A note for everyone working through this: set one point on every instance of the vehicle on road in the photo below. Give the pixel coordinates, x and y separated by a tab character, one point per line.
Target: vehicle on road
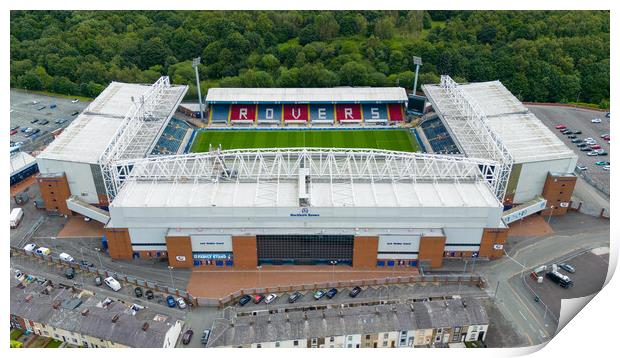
75	101
245	299
596	120
98	281
331	293
187	336
258	299
181	303
138	291
536	299
43	251
560	126
561	280
112	283
30	247
70	273
171	302
149	294
66	257
75	113
205	336
270	298
566	267
582	167
355	291
601	163
16	217
294	297
318	294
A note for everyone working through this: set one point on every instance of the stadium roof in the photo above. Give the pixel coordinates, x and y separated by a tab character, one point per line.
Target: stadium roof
307	95
20	160
524	136
90	134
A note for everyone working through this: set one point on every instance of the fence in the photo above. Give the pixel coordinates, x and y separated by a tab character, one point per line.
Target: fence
414	279
135	281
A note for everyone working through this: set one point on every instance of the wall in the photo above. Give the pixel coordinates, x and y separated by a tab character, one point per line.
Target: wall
432	249
79	177
365	251
54	192
492	243
179	251
558	191
534	174
119	243
244	252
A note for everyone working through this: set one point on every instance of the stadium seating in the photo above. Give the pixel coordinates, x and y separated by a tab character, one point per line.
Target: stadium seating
172	137
322	113
219	113
438	136
295	112
348	113
269	113
375	112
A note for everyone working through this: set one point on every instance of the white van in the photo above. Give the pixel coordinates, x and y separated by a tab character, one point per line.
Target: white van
30	247
112	283
43	251
66	257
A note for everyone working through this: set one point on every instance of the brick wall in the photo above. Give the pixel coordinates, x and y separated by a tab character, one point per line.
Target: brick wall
119	243
431	250
490	238
55	192
558	189
365	251
244	252
179	247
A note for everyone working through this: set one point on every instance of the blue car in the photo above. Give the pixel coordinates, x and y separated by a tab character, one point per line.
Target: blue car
170	301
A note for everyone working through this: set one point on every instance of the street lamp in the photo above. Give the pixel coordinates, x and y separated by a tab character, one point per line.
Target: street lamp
333	263
259	267
170	268
195	63
417	61
550	213
99	257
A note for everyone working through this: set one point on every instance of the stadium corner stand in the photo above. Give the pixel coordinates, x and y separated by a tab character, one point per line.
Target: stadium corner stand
286	106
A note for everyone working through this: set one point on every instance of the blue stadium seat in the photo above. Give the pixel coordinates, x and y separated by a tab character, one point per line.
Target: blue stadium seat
171	138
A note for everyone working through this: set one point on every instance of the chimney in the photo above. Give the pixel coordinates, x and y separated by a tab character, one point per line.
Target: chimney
115	318
56	304
28	298
145	326
85	312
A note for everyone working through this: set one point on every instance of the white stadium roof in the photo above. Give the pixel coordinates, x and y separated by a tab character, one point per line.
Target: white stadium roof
20	160
525	137
307	95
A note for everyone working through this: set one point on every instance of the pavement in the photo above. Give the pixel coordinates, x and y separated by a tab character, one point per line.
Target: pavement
77	227
532	226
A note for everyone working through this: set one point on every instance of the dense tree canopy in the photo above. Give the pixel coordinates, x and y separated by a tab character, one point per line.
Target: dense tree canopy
539	55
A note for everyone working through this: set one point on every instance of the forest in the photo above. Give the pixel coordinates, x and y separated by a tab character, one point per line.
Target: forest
542	56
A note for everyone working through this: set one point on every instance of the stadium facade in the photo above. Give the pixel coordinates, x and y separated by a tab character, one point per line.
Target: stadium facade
360	207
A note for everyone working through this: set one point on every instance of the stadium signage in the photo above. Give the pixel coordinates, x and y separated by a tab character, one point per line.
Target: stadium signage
212	256
180	258
304	212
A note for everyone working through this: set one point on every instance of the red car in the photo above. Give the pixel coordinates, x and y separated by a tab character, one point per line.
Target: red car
13	131
560	126
596	146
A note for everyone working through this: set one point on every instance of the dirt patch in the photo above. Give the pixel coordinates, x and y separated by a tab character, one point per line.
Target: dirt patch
532	226
19	187
77	227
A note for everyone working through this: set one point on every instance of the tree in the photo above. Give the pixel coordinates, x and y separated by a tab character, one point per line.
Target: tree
270	63
353	24
353	74
31	81
326	26
384	28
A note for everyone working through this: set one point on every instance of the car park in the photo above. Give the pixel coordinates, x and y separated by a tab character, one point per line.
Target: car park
294	297
566	267
355	291
596	120
331	293
205	336
270	298
245	299
258	299
171	302
582	167
187	336
112	283
149	294
318	294
138	292
98	281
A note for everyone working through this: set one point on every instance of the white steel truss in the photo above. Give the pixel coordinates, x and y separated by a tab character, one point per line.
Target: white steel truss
340	167
146	119
474	136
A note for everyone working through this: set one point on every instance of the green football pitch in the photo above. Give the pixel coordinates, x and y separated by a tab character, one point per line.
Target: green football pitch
389	139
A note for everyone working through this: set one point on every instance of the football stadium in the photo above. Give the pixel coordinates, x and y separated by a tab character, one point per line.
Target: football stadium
312	176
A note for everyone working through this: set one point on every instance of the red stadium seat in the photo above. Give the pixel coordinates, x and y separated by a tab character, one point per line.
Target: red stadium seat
296	112
242	112
395	112
349	112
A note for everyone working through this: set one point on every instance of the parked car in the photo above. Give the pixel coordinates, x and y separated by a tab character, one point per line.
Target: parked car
171	302
586	149
572	136
294	297
85	263
70	273
14	128
44	122
355	291
567	132
60	121
138	292
181	303
602	163
245	299
41	108
30	247
601	152
75	113
577	140
205	336
592	154
577	132
66	257
607	167
581	145
34	121
560	126
331	293
258	299
566	267
582	167
187	336
75	101
13	131
98	281
604	135
595	146
319	294
596	120
149	294
270	298
112	283
607	115
43	251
